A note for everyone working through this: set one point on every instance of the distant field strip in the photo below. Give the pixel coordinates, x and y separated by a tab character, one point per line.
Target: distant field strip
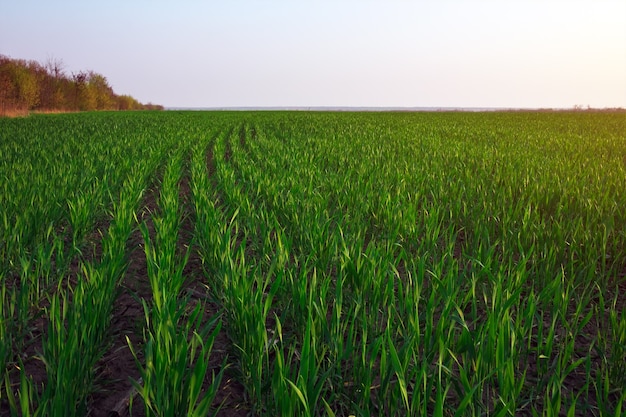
313	263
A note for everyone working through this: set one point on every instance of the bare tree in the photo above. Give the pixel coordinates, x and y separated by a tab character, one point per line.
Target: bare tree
55	67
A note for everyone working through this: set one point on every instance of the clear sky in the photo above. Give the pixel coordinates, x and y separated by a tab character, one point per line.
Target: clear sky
446	53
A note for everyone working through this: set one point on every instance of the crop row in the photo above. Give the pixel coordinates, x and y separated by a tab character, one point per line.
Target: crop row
356	264
470	273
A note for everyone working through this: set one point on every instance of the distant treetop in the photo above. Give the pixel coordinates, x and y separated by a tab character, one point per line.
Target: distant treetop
30	86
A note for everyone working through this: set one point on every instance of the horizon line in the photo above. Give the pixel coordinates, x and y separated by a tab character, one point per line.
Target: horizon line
385	108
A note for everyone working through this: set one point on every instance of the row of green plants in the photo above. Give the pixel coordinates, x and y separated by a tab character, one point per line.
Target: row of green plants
69	207
71	286
178	338
473	275
78	319
359	264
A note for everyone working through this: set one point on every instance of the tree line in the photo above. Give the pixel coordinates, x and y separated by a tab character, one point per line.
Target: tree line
27	85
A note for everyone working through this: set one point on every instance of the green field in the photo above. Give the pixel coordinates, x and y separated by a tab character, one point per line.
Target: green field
313	263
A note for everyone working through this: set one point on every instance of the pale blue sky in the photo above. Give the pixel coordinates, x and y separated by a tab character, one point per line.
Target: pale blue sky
445	53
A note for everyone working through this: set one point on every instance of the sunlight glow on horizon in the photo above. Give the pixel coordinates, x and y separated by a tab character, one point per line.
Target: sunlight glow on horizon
349	53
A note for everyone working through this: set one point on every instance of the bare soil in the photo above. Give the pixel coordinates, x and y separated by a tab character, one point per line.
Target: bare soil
118	367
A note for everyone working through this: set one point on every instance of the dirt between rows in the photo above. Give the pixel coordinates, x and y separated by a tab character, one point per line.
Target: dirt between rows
118	367
115	395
